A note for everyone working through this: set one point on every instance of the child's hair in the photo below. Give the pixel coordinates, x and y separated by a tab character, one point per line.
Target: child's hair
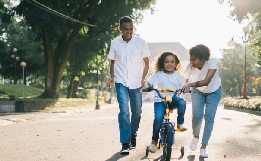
159	61
200	51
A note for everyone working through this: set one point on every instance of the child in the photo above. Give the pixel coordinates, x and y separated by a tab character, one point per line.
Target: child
167	76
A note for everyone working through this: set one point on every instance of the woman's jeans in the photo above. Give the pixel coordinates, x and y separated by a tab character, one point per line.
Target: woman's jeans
160	110
209	102
128	128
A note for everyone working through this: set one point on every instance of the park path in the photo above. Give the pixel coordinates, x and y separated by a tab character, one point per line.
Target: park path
92	135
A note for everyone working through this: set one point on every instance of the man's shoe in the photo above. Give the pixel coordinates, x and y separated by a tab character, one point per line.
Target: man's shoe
182	127
133	143
125	149
203	153
193	144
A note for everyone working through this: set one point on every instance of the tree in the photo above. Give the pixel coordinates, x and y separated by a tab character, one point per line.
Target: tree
59	34
250	10
18	35
231	70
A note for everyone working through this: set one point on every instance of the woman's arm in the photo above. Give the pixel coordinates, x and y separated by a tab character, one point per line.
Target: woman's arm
204	82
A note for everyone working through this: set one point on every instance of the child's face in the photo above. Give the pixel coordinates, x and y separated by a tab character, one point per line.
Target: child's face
169	64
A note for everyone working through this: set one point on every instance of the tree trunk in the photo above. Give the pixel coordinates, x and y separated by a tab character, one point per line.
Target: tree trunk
56	62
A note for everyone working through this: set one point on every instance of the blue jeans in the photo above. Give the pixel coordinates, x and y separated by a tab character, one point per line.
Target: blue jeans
128	127
209	102
160	110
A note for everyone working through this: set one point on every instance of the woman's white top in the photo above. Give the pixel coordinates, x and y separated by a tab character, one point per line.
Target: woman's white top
166	81
194	74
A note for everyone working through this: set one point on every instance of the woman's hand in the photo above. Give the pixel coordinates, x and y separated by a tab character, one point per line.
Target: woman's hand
186	88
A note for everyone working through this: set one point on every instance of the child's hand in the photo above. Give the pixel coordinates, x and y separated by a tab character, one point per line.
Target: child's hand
179	92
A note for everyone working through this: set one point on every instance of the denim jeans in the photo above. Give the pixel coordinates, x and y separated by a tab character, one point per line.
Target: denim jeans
128	127
209	102
160	110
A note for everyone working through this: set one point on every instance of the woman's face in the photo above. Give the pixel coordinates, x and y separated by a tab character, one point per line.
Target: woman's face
196	62
169	64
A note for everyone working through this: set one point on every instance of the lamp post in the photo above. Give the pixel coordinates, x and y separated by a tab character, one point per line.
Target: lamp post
245	40
23	65
97	107
16	57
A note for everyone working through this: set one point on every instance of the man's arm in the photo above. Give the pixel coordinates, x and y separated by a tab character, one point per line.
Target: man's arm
145	70
111	80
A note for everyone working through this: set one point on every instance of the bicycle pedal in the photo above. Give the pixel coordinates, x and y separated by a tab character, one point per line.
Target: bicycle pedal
179	130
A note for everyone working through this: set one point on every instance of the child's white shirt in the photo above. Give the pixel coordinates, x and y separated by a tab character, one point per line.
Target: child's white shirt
166	81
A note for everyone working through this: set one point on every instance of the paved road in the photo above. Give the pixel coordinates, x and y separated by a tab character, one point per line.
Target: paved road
93	135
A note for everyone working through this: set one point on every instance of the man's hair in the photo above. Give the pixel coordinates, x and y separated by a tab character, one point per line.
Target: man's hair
125	19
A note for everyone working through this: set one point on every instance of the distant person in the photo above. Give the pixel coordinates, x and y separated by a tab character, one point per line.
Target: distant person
127	54
205	95
167	76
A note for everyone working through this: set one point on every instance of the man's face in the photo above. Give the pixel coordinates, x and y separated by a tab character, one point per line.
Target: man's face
126	29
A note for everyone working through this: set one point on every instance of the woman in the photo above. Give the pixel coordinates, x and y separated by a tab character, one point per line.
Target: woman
206	93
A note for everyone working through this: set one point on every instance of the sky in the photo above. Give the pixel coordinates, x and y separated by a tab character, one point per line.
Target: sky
191	22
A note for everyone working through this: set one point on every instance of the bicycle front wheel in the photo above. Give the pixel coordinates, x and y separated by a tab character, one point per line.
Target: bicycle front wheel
167	145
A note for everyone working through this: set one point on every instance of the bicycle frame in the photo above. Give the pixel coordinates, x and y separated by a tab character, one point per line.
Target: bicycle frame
167	128
167	100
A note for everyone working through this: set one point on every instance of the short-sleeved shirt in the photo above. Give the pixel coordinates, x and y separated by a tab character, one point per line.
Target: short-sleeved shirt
166	81
129	60
197	75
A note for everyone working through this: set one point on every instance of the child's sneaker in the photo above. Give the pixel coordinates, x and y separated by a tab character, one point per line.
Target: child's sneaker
125	149
193	144
203	153
182	127
153	146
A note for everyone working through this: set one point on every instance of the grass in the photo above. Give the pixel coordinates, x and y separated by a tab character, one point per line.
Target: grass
17	90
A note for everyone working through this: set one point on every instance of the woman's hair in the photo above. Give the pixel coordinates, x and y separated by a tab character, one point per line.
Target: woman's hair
200	51
159	61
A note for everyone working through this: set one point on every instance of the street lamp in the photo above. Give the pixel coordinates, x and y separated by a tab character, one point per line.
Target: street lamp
245	40
23	65
16	57
97	107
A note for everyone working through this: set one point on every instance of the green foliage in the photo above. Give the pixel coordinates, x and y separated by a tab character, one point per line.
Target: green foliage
249	10
231	70
256	45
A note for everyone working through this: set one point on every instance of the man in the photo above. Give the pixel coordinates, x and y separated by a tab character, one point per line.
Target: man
127	54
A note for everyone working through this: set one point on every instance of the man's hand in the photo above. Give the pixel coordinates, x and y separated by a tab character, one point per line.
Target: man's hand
110	82
143	83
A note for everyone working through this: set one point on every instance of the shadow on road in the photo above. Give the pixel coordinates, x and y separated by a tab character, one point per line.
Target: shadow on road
192	158
116	157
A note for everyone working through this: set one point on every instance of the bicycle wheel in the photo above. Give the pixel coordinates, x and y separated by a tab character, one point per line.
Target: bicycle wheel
168	142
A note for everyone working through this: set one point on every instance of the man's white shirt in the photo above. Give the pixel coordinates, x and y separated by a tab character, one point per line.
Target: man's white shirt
129	60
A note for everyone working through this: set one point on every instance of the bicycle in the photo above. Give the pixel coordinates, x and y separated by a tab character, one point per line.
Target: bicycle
167	129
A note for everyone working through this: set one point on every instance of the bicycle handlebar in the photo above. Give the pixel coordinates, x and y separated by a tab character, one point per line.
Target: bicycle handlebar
151	88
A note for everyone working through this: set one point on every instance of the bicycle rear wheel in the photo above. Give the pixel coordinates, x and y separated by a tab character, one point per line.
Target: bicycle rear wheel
168	142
